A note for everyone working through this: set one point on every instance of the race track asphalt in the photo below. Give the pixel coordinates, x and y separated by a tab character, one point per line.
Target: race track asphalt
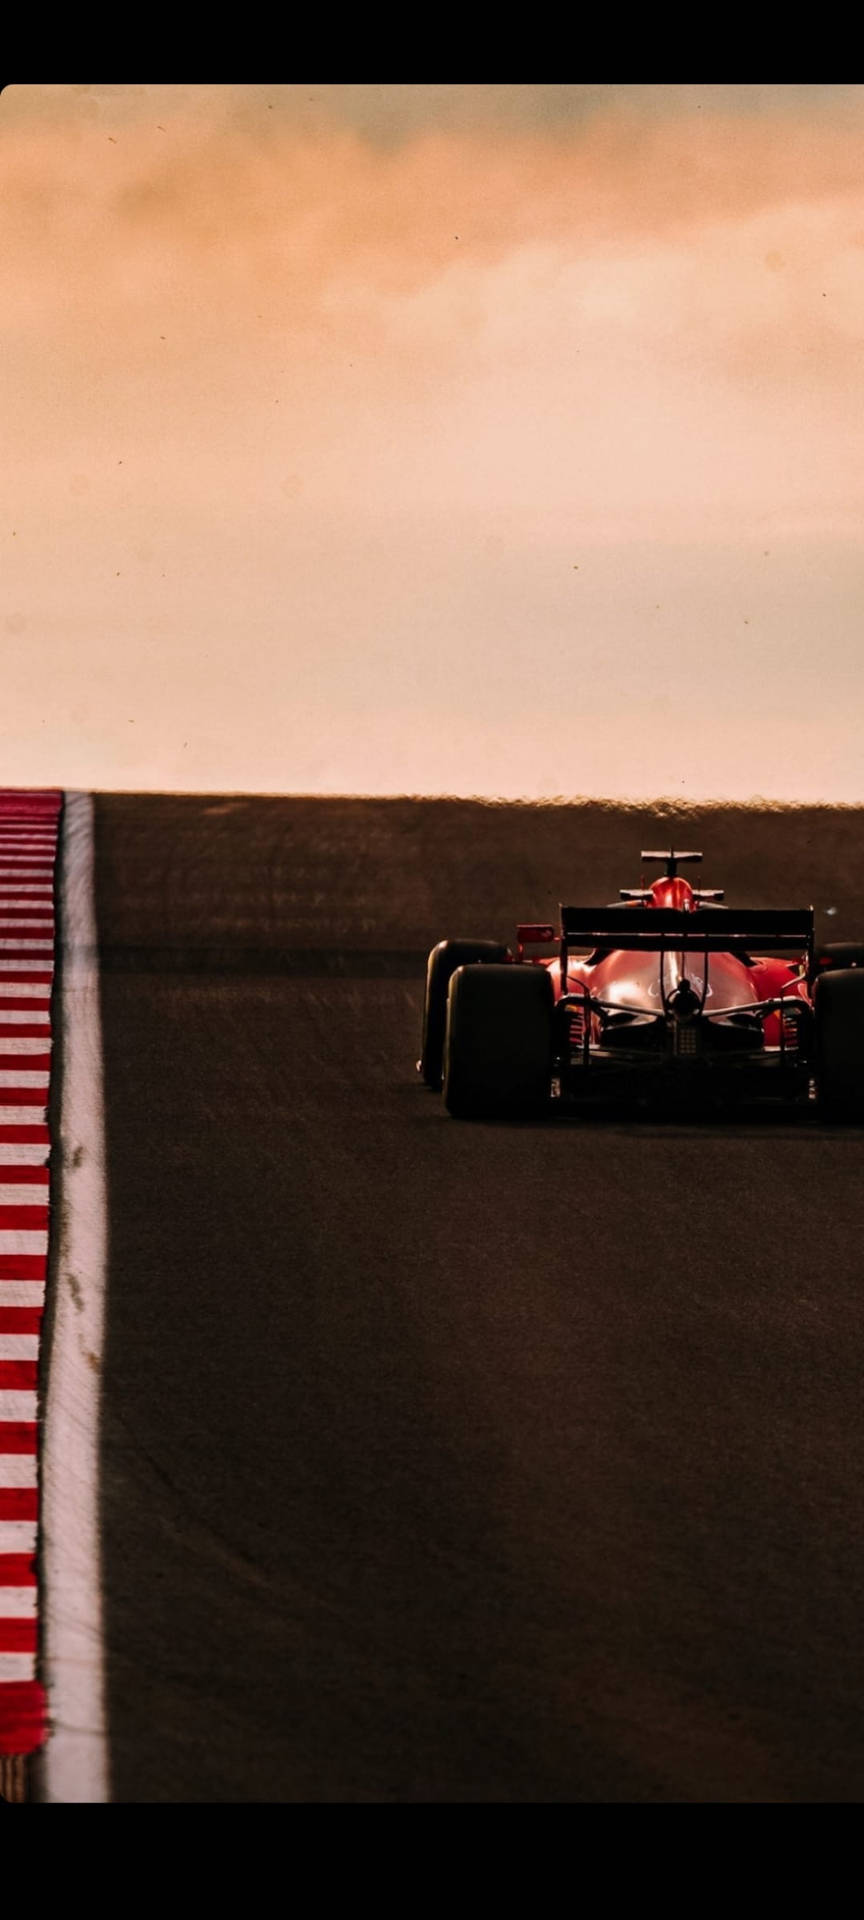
455	1463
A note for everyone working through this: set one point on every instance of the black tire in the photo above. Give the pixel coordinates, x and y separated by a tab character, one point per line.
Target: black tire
838	1000
441	966
498	1044
836	955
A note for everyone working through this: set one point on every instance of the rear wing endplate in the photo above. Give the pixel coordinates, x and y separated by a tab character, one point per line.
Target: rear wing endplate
703	930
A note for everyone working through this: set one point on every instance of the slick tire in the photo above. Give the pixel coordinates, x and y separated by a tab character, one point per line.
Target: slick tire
838	1000
441	966
834	955
498	1042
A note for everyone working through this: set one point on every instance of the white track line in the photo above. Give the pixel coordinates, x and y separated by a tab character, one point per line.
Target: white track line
74	1766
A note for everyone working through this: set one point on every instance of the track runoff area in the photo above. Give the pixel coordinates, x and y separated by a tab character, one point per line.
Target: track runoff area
29	826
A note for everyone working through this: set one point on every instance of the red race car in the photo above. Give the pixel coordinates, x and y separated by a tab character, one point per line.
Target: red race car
664	992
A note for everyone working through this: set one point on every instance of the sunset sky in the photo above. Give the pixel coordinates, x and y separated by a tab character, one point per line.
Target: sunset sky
434	439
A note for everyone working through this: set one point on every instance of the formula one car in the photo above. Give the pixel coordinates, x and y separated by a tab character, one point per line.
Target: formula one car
664	992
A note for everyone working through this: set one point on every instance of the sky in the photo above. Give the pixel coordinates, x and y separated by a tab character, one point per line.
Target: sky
481	440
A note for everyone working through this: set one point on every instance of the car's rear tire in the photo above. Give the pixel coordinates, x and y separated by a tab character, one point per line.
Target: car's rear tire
441	966
498	1042
838	1001
835	955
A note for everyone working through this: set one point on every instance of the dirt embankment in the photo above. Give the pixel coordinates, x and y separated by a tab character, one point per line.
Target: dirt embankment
203	880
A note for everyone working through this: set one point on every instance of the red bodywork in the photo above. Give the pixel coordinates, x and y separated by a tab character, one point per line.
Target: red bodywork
634	977
613	990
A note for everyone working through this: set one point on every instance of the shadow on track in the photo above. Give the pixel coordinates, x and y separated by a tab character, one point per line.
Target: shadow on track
762	1120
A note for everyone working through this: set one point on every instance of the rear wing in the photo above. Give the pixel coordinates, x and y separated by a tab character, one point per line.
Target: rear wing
702	930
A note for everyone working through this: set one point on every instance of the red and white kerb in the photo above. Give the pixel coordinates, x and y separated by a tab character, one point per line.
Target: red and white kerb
29	825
